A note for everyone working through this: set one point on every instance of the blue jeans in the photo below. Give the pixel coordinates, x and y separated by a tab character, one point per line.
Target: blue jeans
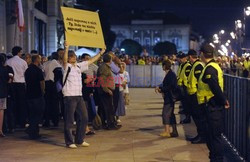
75	105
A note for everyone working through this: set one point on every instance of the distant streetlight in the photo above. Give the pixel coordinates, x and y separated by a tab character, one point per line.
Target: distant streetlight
227	44
232	35
211	44
222	31
228	41
247	11
238	24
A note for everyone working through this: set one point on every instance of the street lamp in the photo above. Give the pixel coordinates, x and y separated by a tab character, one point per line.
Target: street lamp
247	11
222	31
238	24
232	35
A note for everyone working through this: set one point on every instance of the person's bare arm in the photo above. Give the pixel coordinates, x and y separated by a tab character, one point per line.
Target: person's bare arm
96	57
65	57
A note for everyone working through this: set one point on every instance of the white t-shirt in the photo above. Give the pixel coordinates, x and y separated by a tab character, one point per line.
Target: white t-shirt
73	85
49	67
19	67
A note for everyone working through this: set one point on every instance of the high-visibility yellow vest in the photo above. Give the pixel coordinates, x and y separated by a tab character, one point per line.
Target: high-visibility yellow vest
179	71
141	62
192	80
246	65
204	93
183	79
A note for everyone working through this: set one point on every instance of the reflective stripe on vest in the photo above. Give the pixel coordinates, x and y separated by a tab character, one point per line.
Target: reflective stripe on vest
183	79
192	80
203	92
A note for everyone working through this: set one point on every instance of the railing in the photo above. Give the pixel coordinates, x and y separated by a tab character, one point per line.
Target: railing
237	89
237	118
146	75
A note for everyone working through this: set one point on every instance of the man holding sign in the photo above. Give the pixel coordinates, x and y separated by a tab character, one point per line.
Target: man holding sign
73	100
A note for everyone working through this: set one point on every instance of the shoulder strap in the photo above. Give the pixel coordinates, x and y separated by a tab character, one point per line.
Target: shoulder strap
64	82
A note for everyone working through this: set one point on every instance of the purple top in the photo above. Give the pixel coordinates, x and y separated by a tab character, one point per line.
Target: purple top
115	69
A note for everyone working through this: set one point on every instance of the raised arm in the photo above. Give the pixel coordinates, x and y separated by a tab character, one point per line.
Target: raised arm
96	57
65	57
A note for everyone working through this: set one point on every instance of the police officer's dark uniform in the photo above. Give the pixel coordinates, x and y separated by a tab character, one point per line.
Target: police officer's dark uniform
196	113
212	100
182	81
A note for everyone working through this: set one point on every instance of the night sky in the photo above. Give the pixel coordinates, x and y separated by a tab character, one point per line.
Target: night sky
206	16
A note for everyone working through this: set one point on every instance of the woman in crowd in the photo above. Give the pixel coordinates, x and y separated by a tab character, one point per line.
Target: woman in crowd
167	87
4	79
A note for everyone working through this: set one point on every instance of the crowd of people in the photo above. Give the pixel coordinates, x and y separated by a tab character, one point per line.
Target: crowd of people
199	86
235	65
38	92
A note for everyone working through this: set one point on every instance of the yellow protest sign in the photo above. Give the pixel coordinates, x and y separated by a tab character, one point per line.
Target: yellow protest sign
82	28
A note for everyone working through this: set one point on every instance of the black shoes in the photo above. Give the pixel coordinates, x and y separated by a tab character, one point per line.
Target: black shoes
114	127
174	134
186	121
198	141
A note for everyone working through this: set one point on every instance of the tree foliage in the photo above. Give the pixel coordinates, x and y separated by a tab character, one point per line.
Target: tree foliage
131	47
165	48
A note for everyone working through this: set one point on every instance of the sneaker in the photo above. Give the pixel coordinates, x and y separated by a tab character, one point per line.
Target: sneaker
165	134
118	121
73	146
85	144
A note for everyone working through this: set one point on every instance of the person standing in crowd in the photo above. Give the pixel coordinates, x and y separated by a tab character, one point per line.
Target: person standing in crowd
120	111
167	87
126	90
35	91
196	112
106	92
4	79
53	74
27	58
246	66
19	67
73	100
183	82
213	102
88	78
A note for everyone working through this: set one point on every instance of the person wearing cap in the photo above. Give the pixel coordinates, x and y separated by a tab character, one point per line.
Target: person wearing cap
168	85
212	102
182	81
193	77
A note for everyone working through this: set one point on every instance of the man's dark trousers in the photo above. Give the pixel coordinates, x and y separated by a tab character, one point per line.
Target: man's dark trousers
36	110
214	124
19	104
74	105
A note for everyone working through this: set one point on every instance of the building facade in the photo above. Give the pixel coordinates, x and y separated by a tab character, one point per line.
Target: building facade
149	32
43	28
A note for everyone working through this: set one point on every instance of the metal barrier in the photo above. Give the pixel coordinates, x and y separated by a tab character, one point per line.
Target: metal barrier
237	118
146	75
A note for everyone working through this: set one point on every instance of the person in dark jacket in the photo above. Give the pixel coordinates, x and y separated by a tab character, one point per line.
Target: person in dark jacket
166	88
4	78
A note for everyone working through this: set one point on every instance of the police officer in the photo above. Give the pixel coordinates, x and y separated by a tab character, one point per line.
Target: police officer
212	101
182	81
196	113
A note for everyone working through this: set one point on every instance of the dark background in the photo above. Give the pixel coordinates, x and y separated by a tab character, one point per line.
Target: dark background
206	16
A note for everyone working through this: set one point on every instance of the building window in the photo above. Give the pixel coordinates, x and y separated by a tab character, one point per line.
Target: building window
41	5
137	39
147	41
40	36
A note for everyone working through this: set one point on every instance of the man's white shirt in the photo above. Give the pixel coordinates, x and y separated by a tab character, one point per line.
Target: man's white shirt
73	85
19	67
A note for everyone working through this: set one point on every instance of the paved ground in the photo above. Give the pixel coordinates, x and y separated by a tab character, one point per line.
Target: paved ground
137	141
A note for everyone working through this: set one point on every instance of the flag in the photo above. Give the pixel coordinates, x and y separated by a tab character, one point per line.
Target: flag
20	17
